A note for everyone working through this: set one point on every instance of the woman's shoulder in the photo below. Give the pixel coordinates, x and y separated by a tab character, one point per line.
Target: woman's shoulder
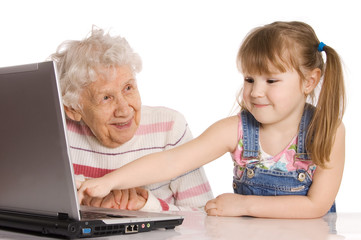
152	114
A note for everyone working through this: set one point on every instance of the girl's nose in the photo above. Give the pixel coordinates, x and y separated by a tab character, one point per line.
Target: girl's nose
257	90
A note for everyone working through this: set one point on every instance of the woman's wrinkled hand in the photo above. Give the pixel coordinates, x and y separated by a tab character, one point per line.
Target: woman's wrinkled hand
130	199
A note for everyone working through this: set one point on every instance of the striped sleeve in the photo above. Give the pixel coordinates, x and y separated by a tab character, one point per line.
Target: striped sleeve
190	191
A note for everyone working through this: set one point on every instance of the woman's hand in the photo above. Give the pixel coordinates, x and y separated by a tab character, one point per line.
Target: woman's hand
130	199
227	204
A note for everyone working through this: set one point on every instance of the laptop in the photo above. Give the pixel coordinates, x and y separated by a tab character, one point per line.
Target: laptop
37	186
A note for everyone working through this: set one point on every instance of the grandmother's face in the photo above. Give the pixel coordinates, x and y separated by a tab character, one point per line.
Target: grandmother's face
111	107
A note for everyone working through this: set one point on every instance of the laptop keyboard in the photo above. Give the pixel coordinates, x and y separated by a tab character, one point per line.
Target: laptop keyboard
97	215
92	215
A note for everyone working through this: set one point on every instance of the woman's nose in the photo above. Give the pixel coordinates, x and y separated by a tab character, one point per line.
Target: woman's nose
122	107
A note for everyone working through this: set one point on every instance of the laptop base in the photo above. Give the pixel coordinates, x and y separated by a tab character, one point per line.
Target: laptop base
67	228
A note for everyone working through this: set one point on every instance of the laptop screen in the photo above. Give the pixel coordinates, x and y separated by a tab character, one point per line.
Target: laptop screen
34	158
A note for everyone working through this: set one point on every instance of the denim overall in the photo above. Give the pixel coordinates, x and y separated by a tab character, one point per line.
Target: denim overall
258	181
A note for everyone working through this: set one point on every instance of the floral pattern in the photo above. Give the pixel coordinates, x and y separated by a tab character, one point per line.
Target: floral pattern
285	161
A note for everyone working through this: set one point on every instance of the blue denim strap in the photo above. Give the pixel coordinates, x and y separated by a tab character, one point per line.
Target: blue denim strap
250	135
304	124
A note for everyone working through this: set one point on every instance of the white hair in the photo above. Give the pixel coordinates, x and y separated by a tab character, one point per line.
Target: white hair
80	62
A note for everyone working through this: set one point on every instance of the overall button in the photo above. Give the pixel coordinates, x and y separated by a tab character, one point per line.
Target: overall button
250	173
301	177
234	185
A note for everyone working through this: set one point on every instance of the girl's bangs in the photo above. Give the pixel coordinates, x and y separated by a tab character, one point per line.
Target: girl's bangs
263	63
265	53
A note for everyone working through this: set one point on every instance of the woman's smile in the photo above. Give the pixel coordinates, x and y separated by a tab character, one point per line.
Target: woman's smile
123	125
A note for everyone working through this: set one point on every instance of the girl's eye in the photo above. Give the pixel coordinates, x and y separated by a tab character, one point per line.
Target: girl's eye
249	80
272	81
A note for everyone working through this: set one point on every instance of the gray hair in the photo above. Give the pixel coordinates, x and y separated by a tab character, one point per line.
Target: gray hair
80	62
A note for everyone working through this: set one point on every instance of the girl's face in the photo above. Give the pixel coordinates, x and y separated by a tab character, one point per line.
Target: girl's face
276	98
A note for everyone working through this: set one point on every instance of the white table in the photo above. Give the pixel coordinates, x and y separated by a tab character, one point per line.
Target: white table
198	226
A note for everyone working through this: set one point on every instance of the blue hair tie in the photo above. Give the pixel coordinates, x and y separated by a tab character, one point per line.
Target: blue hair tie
320	46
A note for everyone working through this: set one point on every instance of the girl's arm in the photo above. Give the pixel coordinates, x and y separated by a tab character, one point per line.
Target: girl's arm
320	197
219	138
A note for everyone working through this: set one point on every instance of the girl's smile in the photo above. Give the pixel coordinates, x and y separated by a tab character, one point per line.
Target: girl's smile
258	105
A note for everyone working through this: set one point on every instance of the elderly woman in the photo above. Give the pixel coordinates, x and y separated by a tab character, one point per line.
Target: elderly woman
108	126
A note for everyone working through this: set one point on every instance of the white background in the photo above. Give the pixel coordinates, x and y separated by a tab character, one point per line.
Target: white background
189	49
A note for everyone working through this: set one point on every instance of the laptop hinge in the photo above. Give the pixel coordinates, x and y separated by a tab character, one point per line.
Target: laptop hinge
63	216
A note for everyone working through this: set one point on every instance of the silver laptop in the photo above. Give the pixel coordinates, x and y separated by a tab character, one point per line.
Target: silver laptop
36	176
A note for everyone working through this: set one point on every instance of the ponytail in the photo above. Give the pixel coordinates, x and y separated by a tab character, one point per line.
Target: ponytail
329	110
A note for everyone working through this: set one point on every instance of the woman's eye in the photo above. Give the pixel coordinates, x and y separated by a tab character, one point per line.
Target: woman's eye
106	98
128	88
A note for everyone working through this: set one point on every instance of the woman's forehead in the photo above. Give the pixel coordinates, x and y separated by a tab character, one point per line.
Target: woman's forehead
109	85
111	80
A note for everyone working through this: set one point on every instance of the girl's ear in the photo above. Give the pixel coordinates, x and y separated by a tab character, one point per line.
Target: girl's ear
311	81
72	113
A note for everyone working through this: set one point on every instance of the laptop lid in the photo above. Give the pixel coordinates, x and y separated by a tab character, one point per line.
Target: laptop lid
34	176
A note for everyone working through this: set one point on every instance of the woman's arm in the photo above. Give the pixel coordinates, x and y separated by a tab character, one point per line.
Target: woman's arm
320	197
219	138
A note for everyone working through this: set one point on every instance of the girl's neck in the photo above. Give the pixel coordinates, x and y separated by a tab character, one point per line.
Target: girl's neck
275	137
274	142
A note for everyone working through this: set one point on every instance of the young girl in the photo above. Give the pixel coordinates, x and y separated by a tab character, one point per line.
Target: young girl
288	154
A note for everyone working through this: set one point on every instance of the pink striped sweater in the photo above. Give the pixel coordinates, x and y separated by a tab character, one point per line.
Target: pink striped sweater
160	129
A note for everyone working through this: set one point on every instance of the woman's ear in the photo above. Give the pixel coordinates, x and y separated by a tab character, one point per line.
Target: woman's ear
72	113
312	81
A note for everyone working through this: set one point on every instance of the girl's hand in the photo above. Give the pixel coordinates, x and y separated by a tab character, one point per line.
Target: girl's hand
227	204
95	188
78	184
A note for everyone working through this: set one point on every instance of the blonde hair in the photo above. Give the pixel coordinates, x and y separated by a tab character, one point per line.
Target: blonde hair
293	45
80	62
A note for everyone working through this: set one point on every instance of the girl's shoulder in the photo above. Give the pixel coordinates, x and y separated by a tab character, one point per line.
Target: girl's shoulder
226	131
231	122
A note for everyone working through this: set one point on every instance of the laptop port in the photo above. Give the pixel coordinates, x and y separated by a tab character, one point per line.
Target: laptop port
128	229
135	228
131	229
86	231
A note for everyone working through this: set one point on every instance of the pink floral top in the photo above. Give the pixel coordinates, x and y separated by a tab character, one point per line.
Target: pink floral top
285	161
